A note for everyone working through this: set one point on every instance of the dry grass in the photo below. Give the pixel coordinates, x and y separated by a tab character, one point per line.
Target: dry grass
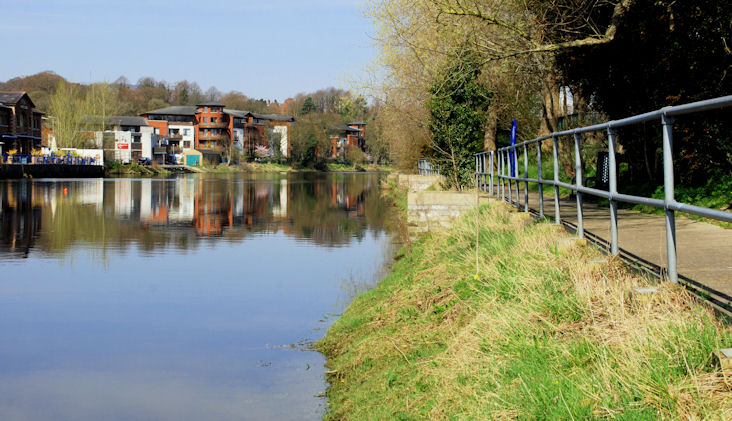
540	334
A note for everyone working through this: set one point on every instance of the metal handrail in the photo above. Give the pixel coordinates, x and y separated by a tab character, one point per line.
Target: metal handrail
486	176
425	168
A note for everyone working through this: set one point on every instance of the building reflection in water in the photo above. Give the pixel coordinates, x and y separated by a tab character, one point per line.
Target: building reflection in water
51	216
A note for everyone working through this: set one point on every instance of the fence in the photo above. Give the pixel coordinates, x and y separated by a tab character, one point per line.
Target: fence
28	159
425	168
493	170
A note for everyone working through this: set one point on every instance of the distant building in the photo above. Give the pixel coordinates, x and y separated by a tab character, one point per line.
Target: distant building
20	123
345	137
211	128
133	138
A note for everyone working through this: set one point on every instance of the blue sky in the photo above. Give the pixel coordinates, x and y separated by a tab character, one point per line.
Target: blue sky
269	49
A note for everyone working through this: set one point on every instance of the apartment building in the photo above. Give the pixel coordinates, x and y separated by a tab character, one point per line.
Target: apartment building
211	127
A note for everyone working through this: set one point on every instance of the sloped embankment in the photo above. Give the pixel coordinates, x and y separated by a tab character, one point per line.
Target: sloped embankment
541	333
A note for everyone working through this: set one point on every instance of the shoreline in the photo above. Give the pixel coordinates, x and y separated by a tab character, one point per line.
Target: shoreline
539	332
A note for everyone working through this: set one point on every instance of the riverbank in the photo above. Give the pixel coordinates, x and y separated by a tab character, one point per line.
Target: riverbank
116	169
544	330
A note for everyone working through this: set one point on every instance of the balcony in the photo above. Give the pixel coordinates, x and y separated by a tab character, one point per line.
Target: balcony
176	136
214	137
210	125
136	146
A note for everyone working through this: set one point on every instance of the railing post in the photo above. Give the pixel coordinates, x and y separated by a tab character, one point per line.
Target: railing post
540	177
526	175
516	174
500	176
668	196
613	185
477	172
555	147
485	172
578	184
510	182
490	162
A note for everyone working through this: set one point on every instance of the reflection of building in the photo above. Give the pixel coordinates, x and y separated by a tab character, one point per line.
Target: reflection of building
20	123
20	216
157	213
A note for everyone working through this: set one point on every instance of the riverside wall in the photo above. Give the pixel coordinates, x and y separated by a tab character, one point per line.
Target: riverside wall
9	171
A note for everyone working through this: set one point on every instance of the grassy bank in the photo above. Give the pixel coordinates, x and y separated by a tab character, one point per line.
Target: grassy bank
274	167
538	334
117	169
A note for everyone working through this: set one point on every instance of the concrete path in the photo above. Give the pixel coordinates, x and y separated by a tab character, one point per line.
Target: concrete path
704	250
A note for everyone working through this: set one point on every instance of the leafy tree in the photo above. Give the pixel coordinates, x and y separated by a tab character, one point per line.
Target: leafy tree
309	140
70	116
308	106
664	53
457	108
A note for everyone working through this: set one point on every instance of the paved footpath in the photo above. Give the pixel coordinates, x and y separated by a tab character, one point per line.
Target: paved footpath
704	250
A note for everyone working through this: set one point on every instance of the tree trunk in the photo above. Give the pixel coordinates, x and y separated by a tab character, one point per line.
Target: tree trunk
550	105
491	126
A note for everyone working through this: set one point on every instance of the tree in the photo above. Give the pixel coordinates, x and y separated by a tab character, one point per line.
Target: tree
103	100
212	94
309	140
664	53
308	106
69	117
457	108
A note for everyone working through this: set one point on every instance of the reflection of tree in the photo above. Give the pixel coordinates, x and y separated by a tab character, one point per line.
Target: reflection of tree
113	215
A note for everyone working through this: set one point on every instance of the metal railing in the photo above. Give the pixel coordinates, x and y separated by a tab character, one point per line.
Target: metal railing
493	170
425	168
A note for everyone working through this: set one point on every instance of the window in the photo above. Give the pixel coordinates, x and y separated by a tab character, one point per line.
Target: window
186	132
205	109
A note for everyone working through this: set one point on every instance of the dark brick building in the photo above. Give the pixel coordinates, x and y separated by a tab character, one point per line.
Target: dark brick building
20	123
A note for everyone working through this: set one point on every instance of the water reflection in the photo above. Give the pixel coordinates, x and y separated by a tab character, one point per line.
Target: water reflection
173	298
181	212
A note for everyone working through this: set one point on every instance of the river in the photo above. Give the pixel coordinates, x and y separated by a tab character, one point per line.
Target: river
192	297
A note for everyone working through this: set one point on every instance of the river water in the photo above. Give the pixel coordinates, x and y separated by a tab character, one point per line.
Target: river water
192	297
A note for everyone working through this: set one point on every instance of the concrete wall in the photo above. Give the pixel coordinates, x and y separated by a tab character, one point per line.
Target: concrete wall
415	182
432	210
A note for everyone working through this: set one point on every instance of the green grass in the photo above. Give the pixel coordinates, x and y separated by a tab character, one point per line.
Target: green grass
537	334
333	167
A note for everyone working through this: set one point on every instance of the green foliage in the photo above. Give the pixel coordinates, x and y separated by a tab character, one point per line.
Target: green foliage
665	53
308	106
309	142
457	108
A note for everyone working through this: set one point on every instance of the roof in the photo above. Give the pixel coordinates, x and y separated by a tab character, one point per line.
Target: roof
273	117
175	110
237	113
357	123
127	121
211	104
277	117
11	97
347	129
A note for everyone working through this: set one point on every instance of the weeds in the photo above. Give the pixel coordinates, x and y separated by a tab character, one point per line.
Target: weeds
540	334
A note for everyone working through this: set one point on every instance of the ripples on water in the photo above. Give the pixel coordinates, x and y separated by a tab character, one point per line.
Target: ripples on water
183	298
